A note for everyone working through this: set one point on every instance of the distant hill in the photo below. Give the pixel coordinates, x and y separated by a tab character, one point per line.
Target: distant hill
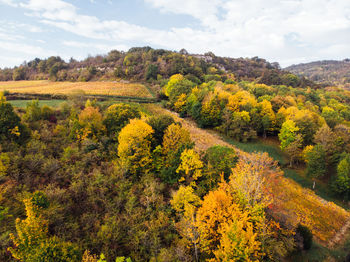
148	64
327	72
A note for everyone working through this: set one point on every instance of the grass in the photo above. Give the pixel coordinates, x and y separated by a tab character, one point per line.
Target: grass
23	103
298	175
66	88
260	146
321	253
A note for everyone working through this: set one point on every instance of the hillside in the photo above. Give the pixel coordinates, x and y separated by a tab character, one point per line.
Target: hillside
107	170
147	64
327	72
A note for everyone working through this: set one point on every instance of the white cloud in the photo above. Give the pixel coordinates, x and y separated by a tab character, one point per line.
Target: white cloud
9	2
100	47
22	48
279	30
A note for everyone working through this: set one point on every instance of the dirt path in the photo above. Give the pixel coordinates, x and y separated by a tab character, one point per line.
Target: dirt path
339	237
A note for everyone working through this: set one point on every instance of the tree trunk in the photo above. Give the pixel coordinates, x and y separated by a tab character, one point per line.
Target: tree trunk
314	184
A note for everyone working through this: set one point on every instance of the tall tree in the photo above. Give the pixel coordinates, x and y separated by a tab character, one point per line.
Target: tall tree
134	147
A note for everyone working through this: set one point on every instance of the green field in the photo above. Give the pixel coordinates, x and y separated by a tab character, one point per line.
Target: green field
23	103
260	146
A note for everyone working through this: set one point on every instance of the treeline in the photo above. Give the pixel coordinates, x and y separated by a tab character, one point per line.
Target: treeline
327	73
88	182
147	64
313	126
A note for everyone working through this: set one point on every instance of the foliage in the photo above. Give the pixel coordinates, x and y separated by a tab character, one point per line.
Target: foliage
134	147
287	134
220	159
191	166
316	161
341	184
11	127
160	125
33	242
118	116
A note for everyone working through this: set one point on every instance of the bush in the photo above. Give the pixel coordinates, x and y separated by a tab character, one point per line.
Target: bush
159	125
306	234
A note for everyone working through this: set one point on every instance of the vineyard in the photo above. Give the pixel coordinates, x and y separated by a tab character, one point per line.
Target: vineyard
67	88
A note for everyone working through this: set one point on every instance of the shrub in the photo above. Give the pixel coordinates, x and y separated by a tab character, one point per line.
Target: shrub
306	234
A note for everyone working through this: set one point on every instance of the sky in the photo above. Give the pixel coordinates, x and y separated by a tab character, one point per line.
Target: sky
284	31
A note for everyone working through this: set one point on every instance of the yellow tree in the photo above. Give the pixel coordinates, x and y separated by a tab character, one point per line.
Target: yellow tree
174	138
134	147
191	166
33	243
31	232
226	230
185	202
268	117
89	124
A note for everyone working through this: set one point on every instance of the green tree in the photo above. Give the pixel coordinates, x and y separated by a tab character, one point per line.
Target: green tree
288	133
11	128
19	73
118	116
159	125
33	111
341	184
316	162
176	86
238	126
294	149
151	72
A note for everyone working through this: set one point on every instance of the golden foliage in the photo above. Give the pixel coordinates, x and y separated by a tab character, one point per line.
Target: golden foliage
191	165
175	136
134	147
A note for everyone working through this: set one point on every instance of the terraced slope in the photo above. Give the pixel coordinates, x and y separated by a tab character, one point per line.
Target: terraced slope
65	88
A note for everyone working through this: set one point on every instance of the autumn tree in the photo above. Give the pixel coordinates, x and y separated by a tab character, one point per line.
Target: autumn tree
237	125
11	128
185	203
211	112
176	139
226	230
268	118
33	243
88	124
134	147
4	163
176	86
190	167
117	116
327	139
